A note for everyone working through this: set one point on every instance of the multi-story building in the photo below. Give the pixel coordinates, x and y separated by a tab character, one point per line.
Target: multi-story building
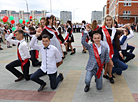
104	13
22	15
65	16
96	15
125	11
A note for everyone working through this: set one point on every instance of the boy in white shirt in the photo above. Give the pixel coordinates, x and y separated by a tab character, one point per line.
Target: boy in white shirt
51	60
23	56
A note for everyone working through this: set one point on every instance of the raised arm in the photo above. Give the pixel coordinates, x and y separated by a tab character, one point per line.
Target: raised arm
11	40
32	43
123	40
83	40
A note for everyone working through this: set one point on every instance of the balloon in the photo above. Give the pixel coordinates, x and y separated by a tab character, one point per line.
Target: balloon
5	19
13	28
11	18
12	21
31	17
21	21
27	21
40	18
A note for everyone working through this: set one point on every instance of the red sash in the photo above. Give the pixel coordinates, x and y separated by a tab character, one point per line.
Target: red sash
22	62
98	74
108	38
36	54
96	28
52	31
66	38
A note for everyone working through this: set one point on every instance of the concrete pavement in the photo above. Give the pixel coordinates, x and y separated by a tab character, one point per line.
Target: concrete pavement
72	88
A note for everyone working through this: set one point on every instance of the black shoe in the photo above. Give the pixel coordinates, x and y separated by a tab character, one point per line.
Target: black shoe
63	57
86	89
83	51
19	79
13	45
106	76
72	53
42	87
61	76
65	53
113	76
111	80
74	50
1	48
9	46
69	50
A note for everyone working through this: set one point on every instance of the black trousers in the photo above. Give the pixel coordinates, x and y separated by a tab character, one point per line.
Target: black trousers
131	48
74	30
11	67
128	55
54	80
35	62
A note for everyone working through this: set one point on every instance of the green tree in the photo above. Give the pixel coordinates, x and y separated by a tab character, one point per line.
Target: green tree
36	21
62	22
4	22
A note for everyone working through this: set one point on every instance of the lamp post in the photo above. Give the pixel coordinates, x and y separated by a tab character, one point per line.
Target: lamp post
74	14
27	8
50	6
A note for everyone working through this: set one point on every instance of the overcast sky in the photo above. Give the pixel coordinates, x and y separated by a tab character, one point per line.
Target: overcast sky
81	9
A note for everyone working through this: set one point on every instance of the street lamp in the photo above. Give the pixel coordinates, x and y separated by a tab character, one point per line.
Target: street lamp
27	8
50	6
74	14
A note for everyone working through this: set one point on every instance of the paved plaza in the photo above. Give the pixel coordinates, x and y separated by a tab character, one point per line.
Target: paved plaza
71	89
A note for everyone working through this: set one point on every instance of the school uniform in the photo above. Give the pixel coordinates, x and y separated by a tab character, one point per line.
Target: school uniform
23	58
113	36
34	53
92	66
59	29
77	28
69	34
74	27
124	45
51	56
119	66
53	34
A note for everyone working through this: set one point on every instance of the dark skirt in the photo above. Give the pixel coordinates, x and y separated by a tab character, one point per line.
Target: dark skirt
72	39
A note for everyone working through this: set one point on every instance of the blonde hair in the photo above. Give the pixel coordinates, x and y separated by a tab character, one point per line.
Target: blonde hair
104	24
94	24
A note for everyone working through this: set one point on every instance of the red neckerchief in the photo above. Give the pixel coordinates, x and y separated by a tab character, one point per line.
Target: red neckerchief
97	57
96	28
19	56
108	38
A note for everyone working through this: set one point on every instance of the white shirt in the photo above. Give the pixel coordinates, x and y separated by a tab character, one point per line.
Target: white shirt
124	46
99	49
23	48
77	26
50	56
26	28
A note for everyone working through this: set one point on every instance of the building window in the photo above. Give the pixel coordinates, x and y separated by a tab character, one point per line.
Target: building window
129	4
124	12
126	17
